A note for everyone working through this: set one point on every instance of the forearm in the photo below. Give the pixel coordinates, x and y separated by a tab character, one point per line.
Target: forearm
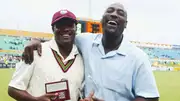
146	99
38	39
139	99
20	95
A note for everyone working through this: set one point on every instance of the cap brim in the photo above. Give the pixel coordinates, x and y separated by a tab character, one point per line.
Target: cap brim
63	18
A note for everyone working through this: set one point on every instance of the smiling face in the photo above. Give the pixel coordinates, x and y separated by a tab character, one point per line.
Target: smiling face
114	19
64	30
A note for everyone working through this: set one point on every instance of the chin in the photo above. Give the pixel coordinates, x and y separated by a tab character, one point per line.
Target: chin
110	31
68	42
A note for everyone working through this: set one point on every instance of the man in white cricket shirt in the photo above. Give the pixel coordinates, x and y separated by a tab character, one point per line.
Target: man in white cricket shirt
59	68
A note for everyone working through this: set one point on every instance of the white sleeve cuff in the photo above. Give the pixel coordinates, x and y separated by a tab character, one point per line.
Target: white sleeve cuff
17	86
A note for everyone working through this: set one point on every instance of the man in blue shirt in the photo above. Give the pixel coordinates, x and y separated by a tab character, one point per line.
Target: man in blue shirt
114	69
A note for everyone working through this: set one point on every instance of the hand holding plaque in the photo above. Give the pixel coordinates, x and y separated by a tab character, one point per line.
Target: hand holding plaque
61	88
46	97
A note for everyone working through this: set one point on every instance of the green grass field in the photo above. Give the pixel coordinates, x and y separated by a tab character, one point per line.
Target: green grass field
168	85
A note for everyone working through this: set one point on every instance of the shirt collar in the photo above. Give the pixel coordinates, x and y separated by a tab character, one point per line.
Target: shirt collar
122	50
74	51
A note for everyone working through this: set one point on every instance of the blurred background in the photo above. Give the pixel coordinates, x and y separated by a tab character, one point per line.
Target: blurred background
152	26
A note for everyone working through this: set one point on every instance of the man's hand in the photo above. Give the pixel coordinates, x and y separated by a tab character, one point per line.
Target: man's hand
47	97
146	99
91	98
28	55
22	95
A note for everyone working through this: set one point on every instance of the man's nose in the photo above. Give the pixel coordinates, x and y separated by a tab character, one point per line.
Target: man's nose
114	15
67	29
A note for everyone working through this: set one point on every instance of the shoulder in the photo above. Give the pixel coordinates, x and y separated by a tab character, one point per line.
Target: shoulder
85	36
45	44
142	60
45	49
85	39
137	54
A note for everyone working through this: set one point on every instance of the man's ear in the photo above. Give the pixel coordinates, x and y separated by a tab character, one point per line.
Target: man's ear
125	24
52	28
75	27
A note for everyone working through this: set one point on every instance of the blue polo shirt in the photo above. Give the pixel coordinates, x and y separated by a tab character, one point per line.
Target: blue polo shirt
119	75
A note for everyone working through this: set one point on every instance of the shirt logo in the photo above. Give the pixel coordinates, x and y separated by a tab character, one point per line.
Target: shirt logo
63	11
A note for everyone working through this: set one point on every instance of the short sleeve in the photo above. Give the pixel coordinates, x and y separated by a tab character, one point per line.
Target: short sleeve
22	75
144	82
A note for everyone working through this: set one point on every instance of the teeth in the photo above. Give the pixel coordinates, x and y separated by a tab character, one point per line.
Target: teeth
66	35
112	22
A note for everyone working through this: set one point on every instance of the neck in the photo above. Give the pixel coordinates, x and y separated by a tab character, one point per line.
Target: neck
65	50
111	42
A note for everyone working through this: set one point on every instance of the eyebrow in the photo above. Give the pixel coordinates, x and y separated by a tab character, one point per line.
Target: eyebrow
121	10
110	8
117	9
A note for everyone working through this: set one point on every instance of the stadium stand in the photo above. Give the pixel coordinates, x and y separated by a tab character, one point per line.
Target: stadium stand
13	42
12	45
162	53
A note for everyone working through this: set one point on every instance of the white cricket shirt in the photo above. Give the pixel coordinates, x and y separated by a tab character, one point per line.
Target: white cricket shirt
45	69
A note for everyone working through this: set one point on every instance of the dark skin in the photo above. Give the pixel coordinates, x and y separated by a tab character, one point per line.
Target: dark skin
113	36
65	46
64	31
22	95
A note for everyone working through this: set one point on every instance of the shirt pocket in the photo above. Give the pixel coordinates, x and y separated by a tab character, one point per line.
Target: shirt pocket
115	86
118	87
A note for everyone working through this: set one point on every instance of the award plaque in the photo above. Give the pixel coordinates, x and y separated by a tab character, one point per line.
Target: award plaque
60	87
